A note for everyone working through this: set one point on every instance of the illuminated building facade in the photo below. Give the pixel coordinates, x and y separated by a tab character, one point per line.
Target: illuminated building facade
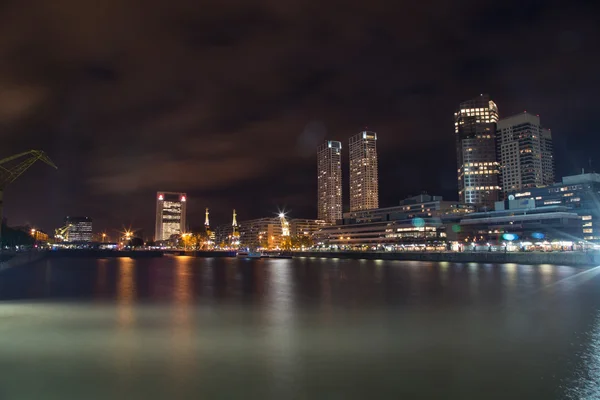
329	181
579	193
261	233
525	153
79	229
305	227
364	183
417	223
478	168
170	214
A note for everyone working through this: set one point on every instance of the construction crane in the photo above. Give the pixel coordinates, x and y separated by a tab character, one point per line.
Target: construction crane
62	234
13	167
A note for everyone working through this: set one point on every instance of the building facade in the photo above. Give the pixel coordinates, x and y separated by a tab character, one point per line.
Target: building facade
422	206
329	181
305	227
261	233
79	229
579	193
170	215
415	224
525	153
521	224
364	180
478	168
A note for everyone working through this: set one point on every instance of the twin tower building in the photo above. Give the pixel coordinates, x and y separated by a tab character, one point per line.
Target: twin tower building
364	186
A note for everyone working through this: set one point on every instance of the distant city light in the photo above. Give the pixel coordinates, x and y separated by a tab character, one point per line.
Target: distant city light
161	197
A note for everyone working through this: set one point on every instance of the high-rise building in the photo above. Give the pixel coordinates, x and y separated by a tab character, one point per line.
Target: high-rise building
525	153
329	181
170	214
79	229
364	186
478	168
547	157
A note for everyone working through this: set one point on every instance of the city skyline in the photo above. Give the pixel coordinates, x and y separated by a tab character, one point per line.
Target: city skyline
129	106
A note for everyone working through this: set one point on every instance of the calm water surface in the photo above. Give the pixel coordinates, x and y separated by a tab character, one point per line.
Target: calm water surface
190	328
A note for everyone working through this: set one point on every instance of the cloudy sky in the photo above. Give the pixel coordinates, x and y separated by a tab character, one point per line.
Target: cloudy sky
228	100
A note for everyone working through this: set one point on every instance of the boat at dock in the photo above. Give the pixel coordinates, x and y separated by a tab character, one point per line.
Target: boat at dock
248	254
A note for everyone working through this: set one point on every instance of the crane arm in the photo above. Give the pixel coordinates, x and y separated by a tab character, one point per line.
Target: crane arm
9	174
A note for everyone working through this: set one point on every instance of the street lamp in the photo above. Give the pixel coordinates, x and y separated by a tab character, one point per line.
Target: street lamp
103	237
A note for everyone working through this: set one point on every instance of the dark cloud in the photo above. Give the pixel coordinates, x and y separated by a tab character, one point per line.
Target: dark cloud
227	100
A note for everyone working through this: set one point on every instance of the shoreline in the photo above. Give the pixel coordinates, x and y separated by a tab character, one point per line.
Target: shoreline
533	258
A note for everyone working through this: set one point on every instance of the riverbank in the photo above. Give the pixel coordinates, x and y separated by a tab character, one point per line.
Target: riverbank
529	258
22	259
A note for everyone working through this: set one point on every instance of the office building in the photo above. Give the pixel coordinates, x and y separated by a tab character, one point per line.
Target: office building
579	193
329	181
79	229
170	215
525	153
364	182
478	168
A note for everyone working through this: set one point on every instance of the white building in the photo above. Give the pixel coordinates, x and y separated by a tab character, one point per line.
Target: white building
329	181
364	183
79	229
525	153
170	215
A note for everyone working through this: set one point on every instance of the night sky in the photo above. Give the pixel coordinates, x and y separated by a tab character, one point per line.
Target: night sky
227	101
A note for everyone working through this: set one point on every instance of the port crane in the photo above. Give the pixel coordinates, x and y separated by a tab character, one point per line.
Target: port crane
62	234
13	167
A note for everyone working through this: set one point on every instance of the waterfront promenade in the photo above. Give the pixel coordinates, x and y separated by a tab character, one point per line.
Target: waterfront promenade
527	258
530	258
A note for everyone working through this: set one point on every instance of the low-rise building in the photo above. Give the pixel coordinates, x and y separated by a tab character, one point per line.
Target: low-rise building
521	225
579	193
261	233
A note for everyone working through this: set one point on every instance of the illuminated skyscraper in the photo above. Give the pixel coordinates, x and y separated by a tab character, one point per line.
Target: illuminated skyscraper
478	168
525	153
364	186
329	181
170	214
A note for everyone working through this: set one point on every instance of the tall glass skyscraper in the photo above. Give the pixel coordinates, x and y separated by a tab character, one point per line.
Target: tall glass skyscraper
364	185
329	181
478	168
170	214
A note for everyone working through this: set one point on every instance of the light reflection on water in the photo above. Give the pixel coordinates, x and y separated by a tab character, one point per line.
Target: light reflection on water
181	327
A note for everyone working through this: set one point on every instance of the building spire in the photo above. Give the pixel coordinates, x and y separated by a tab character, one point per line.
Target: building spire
234	223
206	222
